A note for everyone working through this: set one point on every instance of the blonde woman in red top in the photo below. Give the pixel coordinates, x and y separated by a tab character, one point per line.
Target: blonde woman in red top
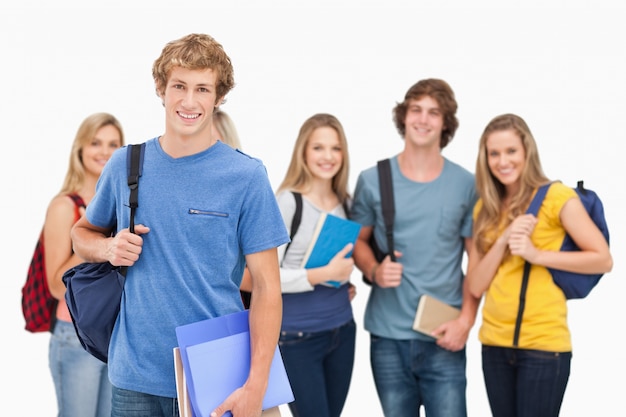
80	380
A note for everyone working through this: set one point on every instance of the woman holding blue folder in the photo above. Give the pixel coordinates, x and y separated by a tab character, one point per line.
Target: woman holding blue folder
317	338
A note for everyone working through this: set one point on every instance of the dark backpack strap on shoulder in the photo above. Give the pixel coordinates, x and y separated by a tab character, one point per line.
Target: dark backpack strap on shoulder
78	200
533	209
297	218
537	200
135	165
387	202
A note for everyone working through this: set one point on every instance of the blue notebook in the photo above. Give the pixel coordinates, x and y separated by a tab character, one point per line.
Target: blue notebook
216	360
331	234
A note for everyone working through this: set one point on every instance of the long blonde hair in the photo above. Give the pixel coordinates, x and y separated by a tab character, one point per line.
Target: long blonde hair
492	192
298	177
87	130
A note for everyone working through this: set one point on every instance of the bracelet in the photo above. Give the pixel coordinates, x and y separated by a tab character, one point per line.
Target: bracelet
373	273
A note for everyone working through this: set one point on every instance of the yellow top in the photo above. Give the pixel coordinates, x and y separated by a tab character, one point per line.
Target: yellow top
544	323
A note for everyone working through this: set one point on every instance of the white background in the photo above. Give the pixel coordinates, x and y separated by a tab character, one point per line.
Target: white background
559	64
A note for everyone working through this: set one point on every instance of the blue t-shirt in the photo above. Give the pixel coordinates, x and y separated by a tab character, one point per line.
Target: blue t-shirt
431	222
205	212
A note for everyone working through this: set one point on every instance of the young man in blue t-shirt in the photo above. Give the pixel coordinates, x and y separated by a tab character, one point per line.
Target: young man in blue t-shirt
205	211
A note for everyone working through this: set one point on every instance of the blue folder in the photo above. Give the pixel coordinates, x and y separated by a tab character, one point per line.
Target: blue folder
331	234
216	359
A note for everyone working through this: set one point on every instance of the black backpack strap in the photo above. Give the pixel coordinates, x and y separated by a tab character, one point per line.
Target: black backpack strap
134	163
533	209
387	202
522	304
297	218
385	186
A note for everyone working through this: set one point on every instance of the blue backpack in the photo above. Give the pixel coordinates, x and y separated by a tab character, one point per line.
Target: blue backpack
575	285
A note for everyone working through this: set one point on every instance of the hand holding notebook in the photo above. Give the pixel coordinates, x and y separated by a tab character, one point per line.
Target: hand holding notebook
332	234
431	313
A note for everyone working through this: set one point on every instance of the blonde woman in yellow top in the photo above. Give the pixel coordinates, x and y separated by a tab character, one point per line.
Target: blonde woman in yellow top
527	379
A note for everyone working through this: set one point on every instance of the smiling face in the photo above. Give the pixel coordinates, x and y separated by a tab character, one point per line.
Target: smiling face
324	155
96	153
189	99
424	122
506	157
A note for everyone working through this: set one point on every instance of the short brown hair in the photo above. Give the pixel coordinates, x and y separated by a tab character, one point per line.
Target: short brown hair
443	94
194	52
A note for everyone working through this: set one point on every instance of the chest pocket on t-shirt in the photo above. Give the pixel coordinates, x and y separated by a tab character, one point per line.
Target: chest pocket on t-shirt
208	213
217	222
450	220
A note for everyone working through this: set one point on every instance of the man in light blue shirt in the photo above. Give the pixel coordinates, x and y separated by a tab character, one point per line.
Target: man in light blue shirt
434	198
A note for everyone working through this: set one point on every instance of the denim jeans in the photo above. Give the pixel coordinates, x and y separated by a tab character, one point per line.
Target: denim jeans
525	383
80	380
138	404
319	366
409	374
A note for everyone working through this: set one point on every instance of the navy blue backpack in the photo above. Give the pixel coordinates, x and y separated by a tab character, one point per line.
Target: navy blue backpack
575	285
94	290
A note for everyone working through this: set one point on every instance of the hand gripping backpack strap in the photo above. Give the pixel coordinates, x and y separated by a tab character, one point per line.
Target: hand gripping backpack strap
533	209
94	290
385	186
134	162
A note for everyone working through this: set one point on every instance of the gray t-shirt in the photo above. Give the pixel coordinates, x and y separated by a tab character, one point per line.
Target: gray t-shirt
431	222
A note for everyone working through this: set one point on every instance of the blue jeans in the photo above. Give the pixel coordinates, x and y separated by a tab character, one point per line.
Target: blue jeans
319	366
412	373
81	381
525	383
138	404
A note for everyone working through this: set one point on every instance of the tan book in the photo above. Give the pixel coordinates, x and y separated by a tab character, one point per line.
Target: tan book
431	313
184	406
